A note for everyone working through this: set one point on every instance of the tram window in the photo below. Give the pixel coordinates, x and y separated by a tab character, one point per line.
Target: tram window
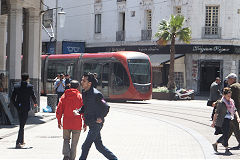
54	69
120	77
92	67
139	70
69	69
51	71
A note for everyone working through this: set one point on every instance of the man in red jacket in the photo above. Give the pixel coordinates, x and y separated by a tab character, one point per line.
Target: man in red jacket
72	124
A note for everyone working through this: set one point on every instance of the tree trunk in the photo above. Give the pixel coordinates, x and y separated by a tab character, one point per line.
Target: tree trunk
171	83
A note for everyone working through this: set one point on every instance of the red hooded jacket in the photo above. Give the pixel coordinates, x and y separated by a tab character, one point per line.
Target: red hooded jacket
70	100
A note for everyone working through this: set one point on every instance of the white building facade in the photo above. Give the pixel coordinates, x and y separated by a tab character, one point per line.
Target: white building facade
112	25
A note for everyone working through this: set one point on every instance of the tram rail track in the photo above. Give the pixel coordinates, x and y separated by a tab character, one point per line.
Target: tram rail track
158	112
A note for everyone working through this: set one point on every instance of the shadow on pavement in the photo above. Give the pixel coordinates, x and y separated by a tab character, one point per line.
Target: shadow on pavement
7	126
20	148
130	102
223	154
35	120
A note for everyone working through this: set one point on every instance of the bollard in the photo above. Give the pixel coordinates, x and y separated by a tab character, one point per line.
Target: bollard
52	101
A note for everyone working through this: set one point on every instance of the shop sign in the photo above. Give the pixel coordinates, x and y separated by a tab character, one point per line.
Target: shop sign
73	47
215	49
180	49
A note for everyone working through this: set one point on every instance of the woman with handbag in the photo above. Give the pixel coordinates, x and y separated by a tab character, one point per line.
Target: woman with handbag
225	113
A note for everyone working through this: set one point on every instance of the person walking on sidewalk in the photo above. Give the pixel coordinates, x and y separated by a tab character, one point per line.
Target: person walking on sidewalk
215	93
72	124
95	109
60	86
67	81
235	87
225	112
21	95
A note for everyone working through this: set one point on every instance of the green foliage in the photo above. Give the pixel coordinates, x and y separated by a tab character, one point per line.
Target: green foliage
169	31
160	89
174	27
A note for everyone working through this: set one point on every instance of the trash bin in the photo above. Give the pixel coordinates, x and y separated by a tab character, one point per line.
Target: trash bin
52	101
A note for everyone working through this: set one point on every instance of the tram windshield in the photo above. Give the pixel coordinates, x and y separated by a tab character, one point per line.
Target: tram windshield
140	71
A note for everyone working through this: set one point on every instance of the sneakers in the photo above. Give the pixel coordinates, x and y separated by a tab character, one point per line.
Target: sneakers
215	147
20	145
227	152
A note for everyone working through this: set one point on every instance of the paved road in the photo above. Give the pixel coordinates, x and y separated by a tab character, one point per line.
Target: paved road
193	116
134	130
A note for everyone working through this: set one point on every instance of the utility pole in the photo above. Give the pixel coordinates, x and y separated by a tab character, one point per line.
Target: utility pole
56	27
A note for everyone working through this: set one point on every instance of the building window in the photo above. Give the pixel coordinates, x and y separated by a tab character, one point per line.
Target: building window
97	23
98	1
179	79
47	18
122	21
120	34
177	10
147	32
149	19
211	20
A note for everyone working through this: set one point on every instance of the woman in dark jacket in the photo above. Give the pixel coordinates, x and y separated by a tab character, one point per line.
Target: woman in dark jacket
225	112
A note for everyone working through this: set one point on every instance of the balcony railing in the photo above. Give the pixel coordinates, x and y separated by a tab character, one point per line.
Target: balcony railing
146	34
121	0
211	32
120	36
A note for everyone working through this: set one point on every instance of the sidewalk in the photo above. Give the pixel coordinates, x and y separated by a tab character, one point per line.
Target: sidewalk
126	135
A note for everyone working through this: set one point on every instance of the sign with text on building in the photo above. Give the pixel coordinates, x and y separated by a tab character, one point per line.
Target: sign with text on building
73	47
180	49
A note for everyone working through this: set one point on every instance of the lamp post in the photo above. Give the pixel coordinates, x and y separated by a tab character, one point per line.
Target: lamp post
53	35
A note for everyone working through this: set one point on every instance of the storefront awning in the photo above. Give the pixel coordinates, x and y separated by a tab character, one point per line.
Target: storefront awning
158	59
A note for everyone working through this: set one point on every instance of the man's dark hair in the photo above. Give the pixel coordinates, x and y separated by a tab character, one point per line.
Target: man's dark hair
91	78
74	84
25	76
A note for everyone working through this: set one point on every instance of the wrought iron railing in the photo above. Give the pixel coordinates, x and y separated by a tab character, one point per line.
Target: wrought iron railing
120	36
211	32
120	0
146	34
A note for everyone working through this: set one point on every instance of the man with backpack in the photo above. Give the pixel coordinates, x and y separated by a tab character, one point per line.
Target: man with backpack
95	109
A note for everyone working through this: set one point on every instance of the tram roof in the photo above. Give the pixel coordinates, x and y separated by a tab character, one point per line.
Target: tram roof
122	54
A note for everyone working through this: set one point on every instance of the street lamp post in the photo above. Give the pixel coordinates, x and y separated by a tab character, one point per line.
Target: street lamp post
53	35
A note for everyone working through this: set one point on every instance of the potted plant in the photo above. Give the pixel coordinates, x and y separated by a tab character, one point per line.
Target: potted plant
161	93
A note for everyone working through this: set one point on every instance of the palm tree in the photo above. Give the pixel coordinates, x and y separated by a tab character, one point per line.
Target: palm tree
169	31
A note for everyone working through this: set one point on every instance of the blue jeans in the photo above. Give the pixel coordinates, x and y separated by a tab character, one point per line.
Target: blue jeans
94	136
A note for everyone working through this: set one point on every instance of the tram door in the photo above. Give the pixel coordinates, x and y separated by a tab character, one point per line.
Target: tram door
105	80
102	73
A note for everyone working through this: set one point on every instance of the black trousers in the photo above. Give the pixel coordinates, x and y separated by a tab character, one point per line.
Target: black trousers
22	115
59	96
225	129
234	128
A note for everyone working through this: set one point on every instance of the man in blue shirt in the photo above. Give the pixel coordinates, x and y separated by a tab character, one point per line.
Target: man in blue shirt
59	85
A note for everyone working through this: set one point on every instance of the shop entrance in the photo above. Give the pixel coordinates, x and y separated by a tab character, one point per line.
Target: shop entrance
209	70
